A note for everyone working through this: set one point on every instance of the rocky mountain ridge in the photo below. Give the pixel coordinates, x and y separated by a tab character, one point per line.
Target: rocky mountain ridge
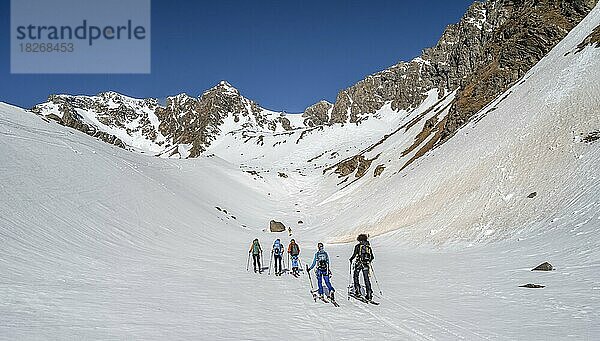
184	121
491	47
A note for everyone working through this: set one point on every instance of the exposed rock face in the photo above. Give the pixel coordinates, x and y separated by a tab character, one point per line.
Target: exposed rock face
592	40
357	163
524	32
456	54
108	108
543	267
276	226
317	114
378	170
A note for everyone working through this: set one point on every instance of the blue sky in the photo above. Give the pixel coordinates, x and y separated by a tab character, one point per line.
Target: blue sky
286	55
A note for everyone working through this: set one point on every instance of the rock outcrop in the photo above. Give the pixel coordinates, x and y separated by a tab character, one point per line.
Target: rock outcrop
276	226
543	267
532	286
317	114
592	40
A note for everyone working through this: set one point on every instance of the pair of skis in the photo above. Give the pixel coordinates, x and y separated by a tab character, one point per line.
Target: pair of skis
314	292
359	297
362	299
323	298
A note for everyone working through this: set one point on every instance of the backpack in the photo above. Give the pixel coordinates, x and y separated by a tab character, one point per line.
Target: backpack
277	249
322	261
295	250
255	248
365	254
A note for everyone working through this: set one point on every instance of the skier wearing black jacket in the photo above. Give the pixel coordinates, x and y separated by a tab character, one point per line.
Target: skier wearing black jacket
363	255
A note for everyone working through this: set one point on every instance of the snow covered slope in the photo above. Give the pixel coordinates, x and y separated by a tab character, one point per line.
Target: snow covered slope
100	243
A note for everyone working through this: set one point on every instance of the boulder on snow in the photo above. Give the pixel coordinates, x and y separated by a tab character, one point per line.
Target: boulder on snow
543	267
532	195
378	170
276	226
533	286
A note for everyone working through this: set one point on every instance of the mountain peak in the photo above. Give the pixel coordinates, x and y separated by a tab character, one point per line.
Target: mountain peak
225	83
225	86
109	94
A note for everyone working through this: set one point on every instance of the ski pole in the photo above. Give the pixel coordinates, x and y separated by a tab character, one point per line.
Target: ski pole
349	280
376	281
312	289
270	261
310	279
248	262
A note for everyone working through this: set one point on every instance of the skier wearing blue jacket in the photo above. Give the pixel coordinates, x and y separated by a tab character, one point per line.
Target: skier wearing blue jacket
277	256
321	260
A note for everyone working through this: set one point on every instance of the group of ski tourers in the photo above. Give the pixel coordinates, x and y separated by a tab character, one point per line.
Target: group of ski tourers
360	262
277	253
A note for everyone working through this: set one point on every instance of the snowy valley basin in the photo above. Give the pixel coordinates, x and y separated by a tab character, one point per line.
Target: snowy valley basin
148	239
